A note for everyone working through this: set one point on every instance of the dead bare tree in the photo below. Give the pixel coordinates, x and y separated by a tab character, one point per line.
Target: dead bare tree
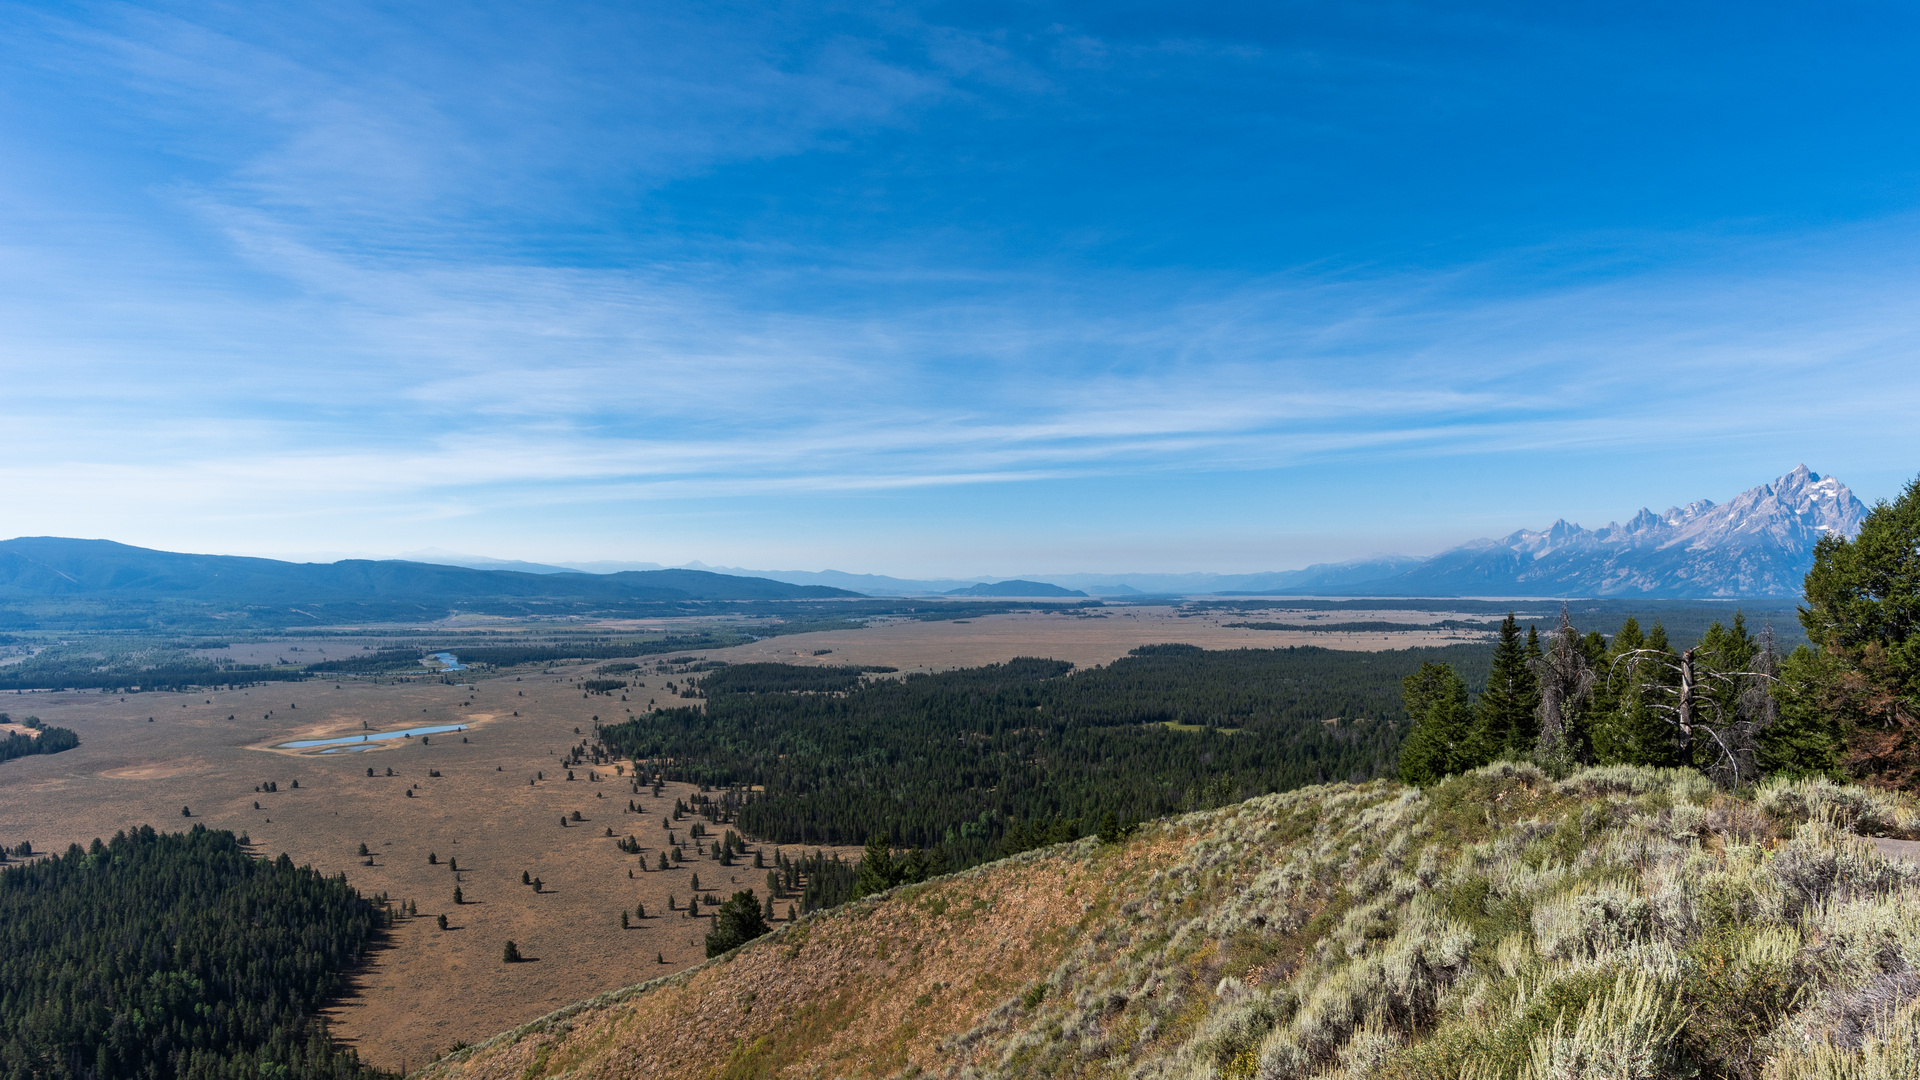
1566	680
1727	708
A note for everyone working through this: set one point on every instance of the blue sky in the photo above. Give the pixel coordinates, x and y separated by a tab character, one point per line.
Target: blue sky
945	289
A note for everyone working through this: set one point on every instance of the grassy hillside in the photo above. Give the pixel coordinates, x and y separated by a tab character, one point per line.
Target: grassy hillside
1621	923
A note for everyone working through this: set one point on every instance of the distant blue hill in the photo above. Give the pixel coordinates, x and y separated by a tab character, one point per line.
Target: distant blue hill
51	567
1015	587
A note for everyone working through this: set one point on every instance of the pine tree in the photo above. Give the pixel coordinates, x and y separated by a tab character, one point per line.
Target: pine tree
1863	617
876	867
1506	721
1807	738
738	922
1436	699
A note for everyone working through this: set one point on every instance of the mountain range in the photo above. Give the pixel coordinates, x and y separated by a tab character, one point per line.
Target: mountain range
52	567
1758	544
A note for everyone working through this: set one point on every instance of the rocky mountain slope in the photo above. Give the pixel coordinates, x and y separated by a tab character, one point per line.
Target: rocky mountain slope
1756	545
1622	923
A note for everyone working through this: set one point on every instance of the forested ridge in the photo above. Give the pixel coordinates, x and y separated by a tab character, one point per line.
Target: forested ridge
976	762
174	955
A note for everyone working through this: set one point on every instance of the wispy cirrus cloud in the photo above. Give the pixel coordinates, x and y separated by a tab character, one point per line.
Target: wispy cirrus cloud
348	269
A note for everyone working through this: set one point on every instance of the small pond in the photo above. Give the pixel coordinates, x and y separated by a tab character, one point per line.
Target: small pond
354	742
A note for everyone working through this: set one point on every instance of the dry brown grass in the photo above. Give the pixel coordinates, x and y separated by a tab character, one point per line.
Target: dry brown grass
1624	923
1084	640
423	988
877	988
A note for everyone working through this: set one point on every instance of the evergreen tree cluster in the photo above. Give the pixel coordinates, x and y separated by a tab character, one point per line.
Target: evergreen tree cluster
1859	686
1583	699
174	955
976	762
786	679
50	740
819	880
80	666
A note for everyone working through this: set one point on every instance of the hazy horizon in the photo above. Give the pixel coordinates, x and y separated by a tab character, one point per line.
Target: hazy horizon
944	291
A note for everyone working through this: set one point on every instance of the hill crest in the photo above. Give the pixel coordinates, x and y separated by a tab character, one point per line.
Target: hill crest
41	567
1499	925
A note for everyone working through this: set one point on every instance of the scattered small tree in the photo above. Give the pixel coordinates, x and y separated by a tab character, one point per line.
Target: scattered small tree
511	954
443	922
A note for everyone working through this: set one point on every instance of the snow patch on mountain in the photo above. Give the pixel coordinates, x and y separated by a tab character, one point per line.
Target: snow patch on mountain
1760	543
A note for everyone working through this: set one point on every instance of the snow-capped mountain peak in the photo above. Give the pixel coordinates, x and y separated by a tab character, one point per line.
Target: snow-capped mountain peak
1759	543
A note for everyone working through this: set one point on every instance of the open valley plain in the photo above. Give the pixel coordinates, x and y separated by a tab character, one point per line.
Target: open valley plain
491	799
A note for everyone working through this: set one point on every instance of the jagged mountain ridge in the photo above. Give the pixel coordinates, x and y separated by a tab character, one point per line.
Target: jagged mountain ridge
1758	544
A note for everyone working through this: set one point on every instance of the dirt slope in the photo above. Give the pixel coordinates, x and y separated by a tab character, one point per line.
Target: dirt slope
1621	923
